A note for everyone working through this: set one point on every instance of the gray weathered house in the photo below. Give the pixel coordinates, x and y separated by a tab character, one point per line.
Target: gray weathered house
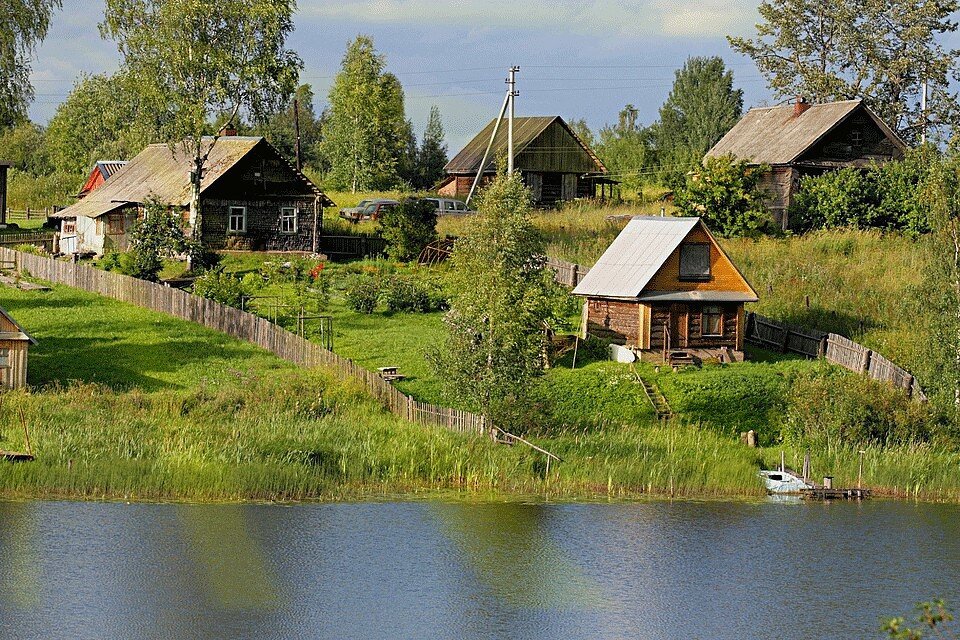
251	198
808	139
554	162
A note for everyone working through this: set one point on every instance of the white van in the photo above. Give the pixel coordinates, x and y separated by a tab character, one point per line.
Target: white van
449	207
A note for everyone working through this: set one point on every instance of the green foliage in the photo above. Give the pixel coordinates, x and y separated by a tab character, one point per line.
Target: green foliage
362	292
933	616
22	146
23	24
409	293
499	303
833	408
701	108
834	199
221	287
30	248
876	51
432	154
627	149
367	133
279	128
158	235
408	228
726	194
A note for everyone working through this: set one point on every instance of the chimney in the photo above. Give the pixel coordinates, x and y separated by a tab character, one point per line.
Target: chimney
800	106
228	130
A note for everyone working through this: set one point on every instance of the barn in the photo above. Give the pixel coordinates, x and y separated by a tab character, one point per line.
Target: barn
808	139
14	344
251	198
665	289
555	163
102	170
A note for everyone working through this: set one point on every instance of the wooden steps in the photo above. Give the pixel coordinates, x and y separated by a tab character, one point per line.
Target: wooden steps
657	400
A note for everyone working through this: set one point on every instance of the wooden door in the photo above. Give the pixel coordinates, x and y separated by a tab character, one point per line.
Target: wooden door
680	325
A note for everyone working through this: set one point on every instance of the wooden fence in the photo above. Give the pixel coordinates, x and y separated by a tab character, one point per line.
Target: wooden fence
835	348
30	214
567	273
245	326
47	241
352	246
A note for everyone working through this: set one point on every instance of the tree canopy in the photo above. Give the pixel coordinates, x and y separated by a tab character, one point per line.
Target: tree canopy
726	194
701	108
880	51
627	149
367	134
23	24
432	154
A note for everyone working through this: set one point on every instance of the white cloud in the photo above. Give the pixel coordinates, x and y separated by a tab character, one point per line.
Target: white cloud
609	18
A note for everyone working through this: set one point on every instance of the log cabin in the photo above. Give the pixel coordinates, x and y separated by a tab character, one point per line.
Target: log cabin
555	163
666	289
251	199
807	139
14	344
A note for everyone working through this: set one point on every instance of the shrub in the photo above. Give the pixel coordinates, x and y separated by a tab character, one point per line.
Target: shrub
362	292
726	194
835	199
30	248
403	293
408	228
220	287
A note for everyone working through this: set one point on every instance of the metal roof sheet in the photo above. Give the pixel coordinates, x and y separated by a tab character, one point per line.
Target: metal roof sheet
774	135
163	172
635	256
525	130
109	167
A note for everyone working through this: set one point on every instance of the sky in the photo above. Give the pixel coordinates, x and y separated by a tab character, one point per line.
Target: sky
582	59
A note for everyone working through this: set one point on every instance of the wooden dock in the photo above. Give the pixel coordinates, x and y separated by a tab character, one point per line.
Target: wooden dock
823	493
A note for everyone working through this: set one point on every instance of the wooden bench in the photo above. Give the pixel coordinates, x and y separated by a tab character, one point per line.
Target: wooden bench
390	373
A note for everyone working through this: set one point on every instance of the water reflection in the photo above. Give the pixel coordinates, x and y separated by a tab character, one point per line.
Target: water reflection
19	580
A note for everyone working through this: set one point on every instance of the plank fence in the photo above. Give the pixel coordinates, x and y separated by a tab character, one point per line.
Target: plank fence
251	328
362	245
840	350
567	273
47	241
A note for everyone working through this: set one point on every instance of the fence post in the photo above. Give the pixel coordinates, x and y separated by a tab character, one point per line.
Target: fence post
822	349
786	339
865	363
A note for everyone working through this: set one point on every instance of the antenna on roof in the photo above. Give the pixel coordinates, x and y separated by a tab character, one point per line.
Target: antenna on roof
507	102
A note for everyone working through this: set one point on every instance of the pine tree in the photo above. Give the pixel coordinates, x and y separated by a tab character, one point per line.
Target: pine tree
432	156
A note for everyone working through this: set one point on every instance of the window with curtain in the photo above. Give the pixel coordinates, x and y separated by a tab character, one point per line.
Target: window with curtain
712	321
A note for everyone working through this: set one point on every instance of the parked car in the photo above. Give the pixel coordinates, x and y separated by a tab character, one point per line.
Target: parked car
364	209
449	207
374	210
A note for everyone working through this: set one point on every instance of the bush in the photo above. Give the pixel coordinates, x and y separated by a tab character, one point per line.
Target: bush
408	228
727	195
30	248
362	292
220	287
403	293
835	199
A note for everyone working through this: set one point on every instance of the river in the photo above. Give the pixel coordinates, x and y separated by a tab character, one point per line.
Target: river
438	569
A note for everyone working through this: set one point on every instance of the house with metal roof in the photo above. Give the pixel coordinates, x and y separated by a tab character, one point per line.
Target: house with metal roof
808	139
102	170
555	163
251	197
665	289
14	343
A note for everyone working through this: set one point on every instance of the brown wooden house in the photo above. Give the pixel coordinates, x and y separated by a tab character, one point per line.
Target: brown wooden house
663	286
555	163
808	139
251	198
14	343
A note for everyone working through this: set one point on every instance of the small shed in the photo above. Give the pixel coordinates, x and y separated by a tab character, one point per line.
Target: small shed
663	286
555	163
14	343
101	173
808	139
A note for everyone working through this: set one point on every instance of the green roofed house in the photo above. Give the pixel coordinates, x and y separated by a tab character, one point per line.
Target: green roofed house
555	163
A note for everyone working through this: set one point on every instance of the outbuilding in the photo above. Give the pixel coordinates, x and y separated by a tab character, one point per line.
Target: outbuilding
101	172
665	288
555	163
14	344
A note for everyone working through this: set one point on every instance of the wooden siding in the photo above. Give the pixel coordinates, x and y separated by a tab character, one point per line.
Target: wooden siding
555	151
779	185
263	224
616	321
15	375
858	138
723	275
684	324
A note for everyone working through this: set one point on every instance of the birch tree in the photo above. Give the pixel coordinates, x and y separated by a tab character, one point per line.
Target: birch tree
194	59
23	24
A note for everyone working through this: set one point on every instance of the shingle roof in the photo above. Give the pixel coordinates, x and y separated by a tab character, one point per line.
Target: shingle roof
525	130
164	173
773	135
635	256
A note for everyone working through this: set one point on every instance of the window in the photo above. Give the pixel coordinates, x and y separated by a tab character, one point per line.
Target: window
712	321
4	358
461	206
856	138
238	220
288	220
695	261
448	205
114	224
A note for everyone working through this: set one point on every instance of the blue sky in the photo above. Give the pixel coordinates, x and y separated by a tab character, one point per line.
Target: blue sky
578	59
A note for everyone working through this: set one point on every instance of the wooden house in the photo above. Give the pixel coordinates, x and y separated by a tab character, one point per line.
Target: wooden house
251	198
14	343
555	163
808	139
102	170
665	286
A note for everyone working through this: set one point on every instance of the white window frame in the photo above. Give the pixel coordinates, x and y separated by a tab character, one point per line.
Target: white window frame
5	358
243	219
284	216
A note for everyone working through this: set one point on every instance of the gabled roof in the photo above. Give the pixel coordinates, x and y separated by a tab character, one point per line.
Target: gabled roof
638	253
103	169
525	131
19	334
164	173
775	136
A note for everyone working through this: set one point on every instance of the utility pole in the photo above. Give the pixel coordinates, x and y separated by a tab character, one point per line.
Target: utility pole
923	113
296	128
512	93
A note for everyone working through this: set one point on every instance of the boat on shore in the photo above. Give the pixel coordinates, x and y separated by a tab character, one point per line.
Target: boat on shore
784	482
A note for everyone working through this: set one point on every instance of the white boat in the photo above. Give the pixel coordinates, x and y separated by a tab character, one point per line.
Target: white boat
782	481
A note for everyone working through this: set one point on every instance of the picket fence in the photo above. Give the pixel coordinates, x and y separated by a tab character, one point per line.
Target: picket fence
567	273
251	328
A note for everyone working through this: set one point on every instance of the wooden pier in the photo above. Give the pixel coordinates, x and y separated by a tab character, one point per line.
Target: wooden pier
825	493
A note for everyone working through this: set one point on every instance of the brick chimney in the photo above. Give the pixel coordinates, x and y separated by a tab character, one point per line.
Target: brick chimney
228	130
800	106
